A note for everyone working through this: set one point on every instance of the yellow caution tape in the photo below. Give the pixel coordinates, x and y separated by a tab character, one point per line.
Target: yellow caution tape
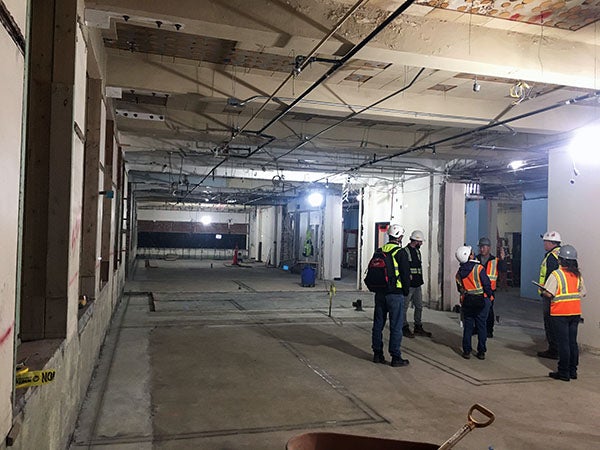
22	370
35	378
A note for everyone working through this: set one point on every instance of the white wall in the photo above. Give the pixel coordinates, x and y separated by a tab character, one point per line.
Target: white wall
265	219
11	92
573	212
333	231
509	219
191	216
454	237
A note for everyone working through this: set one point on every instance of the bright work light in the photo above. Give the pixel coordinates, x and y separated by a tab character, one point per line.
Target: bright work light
584	147
315	199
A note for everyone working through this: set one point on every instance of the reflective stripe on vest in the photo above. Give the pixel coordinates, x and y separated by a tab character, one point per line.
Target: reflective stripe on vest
567	301
392	249
472	282
543	275
414	270
492	272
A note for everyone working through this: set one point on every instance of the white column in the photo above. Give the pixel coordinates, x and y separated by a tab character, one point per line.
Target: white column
572	211
454	236
333	234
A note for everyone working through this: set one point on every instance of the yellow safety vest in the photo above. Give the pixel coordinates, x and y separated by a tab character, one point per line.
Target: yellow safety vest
392	248
543	275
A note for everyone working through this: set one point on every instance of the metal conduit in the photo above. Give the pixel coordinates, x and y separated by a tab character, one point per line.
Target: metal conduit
350	12
341	62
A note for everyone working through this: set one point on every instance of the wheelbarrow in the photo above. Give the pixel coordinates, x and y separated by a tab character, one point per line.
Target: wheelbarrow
339	441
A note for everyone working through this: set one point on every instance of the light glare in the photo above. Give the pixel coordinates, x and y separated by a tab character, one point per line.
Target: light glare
514	165
206	220
315	199
584	147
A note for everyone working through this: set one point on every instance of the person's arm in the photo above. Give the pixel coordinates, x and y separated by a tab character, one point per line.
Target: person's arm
551	264
486	283
582	289
551	287
404	268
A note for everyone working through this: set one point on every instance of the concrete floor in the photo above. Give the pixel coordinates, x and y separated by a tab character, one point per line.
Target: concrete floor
204	356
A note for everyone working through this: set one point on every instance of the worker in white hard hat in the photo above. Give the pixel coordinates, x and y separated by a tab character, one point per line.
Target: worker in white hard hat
415	295
490	264
391	302
552	242
564	288
476	296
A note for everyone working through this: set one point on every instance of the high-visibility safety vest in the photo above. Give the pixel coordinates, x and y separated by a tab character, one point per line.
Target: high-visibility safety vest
543	274
414	270
567	301
392	248
472	282
491	268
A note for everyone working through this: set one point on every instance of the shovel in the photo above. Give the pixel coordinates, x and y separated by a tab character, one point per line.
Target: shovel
471	423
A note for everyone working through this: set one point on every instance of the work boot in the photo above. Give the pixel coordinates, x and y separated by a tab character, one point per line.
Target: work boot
406	332
558	376
547	354
399	362
378	358
419	331
466	355
480	355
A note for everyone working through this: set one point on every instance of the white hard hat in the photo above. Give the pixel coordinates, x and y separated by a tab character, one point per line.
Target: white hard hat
463	253
551	236
417	235
395	231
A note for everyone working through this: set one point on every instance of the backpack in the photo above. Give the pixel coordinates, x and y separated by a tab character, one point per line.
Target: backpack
381	274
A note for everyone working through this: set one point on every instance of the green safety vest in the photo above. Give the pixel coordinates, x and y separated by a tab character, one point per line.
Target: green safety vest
543	267
392	248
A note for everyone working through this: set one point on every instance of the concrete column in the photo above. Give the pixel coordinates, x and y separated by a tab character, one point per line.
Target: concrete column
51	228
332	238
454	237
91	231
572	211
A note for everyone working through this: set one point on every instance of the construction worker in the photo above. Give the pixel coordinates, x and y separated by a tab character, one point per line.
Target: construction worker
415	295
552	242
392	302
476	296
564	288
490	264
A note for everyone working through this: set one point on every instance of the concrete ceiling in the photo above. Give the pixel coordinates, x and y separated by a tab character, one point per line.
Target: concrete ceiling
200	91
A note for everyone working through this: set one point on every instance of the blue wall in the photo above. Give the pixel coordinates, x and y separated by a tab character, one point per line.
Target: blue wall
477	221
534	223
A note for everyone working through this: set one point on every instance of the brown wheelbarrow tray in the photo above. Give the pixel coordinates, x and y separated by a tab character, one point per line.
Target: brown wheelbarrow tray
339	441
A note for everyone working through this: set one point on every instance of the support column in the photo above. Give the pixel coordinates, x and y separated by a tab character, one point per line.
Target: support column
454	237
572	211
91	234
333	233
48	237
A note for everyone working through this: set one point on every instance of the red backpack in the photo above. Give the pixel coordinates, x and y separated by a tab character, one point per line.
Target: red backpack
381	273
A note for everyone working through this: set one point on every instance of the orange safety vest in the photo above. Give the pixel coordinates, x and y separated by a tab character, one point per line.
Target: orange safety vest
472	282
567	301
492	272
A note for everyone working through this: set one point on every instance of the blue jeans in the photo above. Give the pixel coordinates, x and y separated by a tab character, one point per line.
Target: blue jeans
478	323
392	305
565	332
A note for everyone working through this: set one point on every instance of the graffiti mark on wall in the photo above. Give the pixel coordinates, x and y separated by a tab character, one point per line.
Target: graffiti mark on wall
4	336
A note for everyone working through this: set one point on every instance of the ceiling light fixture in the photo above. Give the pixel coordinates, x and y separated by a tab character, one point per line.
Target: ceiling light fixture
517	164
